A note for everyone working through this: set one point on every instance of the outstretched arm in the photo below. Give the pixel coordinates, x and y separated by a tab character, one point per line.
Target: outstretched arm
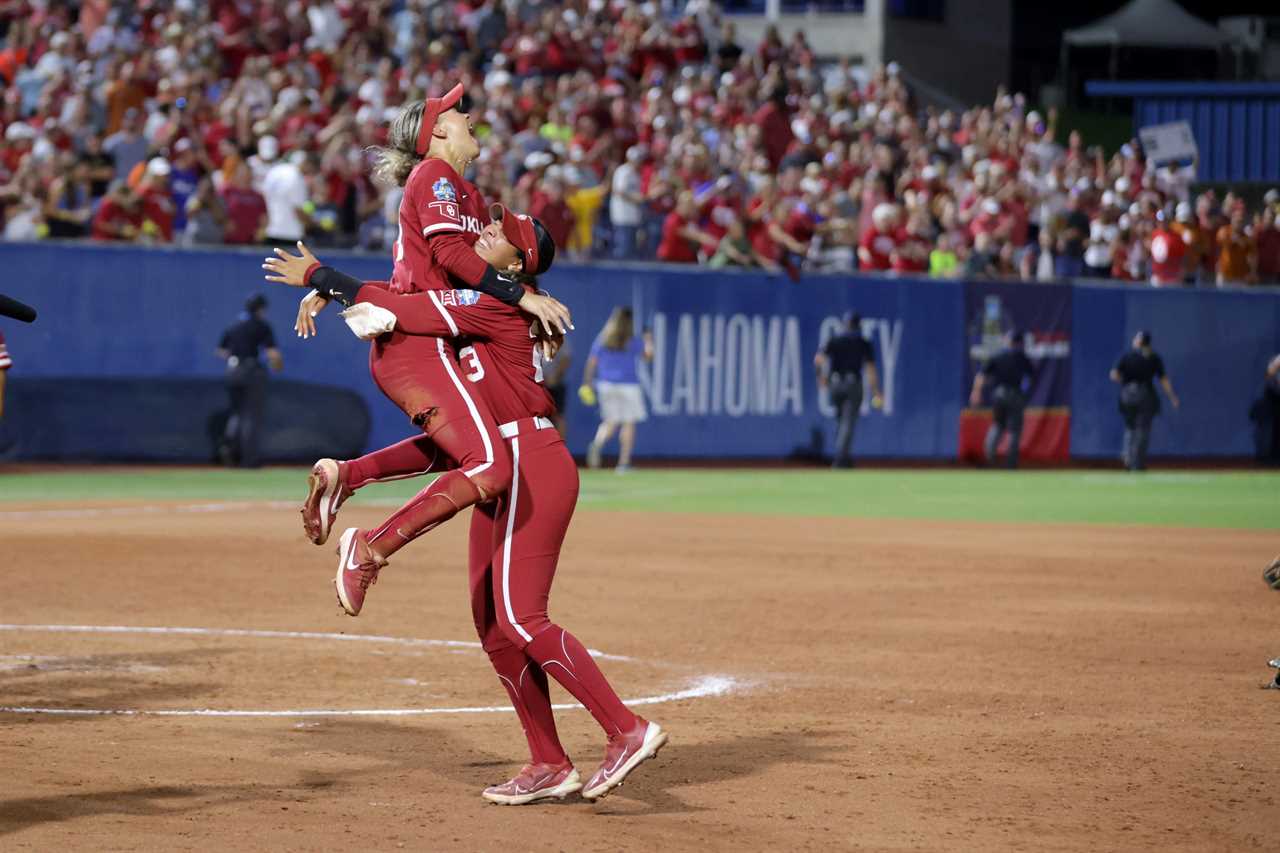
305	270
452	252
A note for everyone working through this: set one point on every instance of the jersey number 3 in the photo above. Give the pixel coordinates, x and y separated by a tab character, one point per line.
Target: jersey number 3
467	355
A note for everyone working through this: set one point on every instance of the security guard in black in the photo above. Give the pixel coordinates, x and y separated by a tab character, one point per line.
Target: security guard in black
1007	373
1136	372
842	363
241	347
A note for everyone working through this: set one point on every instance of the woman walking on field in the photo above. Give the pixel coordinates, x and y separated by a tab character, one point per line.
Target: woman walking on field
613	366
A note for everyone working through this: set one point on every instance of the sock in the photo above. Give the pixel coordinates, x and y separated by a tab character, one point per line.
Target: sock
526	684
426	510
409	458
566	660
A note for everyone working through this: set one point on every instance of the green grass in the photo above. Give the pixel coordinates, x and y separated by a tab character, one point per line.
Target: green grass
1175	498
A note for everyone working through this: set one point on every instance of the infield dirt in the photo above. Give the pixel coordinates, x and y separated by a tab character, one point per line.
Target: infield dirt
902	685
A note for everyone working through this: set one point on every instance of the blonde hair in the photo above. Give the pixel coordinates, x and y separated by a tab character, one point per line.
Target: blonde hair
393	163
620	329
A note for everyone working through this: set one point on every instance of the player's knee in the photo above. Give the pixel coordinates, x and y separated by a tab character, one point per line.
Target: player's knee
521	634
494	640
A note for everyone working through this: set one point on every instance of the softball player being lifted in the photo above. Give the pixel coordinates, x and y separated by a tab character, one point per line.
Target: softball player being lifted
441	216
513	548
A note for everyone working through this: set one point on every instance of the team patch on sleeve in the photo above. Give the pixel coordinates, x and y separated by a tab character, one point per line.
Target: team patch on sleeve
460	298
446	209
443	190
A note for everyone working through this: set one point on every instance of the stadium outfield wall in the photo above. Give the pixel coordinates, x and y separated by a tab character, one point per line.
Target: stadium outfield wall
733	376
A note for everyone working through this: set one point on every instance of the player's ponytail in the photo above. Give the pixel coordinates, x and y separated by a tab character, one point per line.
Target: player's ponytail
393	163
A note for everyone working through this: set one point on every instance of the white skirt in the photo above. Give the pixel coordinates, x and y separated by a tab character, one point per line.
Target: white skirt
621	402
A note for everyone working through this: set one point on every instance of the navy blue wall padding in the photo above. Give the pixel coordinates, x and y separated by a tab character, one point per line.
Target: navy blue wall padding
172	420
734	373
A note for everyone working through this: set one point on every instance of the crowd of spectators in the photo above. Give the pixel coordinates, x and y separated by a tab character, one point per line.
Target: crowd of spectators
632	130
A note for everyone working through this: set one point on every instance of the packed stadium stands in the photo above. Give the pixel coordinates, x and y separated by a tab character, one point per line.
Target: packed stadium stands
632	131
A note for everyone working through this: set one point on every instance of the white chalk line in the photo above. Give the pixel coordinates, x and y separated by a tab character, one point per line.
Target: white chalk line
587	496
269	635
711	685
145	509
702	687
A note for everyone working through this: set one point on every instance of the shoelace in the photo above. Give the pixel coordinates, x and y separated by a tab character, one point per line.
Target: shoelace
368	577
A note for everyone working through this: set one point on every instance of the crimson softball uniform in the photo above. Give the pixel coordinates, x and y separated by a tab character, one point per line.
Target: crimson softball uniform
5	361
441	216
437	202
515	543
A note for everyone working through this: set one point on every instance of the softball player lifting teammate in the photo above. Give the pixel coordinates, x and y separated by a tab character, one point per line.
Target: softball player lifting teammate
513	548
441	216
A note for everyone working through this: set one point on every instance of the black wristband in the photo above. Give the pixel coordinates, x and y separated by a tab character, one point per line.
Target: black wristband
336	285
500	287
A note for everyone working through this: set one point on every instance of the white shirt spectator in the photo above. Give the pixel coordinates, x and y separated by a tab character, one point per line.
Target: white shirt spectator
262	162
285	190
374	93
1053	201
1175	181
23	223
327	26
623	211
1101	236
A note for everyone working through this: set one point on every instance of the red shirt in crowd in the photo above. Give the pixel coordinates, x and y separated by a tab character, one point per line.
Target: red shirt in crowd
881	245
758	230
245	209
775	131
158	209
112	216
674	247
1168	253
911	254
800	224
1269	254
555	216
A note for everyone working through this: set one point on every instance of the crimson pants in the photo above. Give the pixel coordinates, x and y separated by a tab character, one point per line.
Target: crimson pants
421	376
515	546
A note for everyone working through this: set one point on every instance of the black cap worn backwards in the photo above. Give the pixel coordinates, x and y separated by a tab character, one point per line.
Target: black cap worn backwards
546	248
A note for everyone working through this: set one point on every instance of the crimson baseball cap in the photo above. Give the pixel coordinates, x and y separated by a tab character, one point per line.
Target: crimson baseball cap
431	111
529	236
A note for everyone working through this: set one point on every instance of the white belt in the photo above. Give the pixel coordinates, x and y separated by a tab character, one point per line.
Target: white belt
511	429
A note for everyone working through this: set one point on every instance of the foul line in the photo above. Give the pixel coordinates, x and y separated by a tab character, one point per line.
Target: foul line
712	685
270	635
145	509
703	687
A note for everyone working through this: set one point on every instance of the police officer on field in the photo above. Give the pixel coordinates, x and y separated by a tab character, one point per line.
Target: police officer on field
843	363
1136	372
1008	372
241	347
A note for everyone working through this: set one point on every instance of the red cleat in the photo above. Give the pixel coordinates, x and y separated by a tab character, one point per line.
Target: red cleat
624	753
358	569
326	491
536	782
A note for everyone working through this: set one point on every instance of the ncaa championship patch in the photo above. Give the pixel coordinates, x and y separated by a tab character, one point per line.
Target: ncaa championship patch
443	190
460	298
